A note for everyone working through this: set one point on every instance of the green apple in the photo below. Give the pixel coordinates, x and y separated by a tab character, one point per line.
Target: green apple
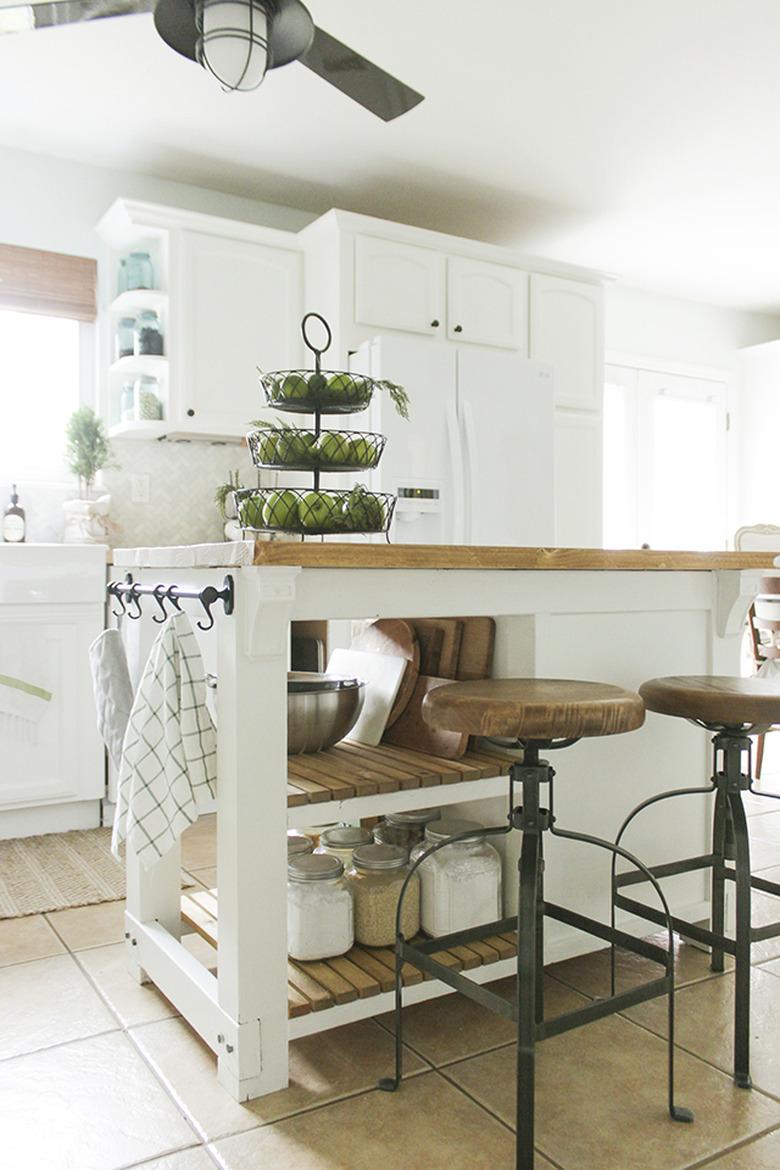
250	511
340	386
294	386
266	446
333	447
281	510
316	383
364	513
362	451
295	446
320	510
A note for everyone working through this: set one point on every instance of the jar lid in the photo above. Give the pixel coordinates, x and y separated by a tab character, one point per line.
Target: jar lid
450	827
128	322
416	816
314	867
379	857
298	843
345	837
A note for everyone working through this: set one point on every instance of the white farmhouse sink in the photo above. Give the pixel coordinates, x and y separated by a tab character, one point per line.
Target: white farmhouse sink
52	573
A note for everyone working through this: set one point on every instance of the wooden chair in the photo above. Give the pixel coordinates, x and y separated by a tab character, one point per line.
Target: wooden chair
764	613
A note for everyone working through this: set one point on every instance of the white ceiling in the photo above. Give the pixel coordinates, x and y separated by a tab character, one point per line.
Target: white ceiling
641	138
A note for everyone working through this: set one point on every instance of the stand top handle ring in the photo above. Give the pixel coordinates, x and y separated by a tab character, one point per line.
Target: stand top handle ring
318	351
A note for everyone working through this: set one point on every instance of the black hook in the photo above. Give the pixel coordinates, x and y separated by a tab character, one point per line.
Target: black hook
159	593
134	598
207	597
170	594
115	591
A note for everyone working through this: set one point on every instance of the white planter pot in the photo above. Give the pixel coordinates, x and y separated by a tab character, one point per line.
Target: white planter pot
86	521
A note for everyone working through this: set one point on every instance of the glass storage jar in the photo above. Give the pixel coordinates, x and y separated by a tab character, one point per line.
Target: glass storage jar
124	340
147	334
405	828
127	402
319	907
147	401
461	883
376	876
138	271
298	844
340	840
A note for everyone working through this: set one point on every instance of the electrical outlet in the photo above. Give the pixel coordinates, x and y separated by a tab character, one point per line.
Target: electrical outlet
139	489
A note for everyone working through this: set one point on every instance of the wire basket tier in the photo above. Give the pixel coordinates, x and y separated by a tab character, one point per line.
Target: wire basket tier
297	449
317	391
318	512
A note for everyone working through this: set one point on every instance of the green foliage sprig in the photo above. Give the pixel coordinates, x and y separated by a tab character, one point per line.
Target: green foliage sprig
225	490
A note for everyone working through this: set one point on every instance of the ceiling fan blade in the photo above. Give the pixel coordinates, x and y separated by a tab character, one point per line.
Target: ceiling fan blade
26	17
359	79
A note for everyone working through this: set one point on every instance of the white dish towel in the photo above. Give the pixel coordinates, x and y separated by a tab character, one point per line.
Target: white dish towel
169	758
113	690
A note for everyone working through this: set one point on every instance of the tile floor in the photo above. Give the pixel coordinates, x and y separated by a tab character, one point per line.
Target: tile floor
97	1073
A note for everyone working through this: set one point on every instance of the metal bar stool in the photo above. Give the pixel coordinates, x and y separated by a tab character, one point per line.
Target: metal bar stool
540	715
735	709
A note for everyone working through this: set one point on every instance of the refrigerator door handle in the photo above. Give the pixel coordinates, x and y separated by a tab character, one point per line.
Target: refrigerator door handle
472	468
456	472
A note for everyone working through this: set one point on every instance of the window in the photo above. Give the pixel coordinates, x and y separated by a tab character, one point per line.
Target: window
40	375
665	461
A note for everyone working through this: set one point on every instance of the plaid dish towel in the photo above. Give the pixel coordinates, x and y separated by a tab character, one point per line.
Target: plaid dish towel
169	755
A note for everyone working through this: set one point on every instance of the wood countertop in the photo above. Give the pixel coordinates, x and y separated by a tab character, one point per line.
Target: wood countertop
428	556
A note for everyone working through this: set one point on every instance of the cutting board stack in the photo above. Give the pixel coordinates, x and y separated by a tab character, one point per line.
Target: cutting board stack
402	660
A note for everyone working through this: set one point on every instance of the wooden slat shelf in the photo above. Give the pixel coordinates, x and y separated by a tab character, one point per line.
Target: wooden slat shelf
353	769
364	972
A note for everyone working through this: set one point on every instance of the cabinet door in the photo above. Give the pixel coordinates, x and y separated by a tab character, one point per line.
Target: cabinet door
53	754
567	330
487	304
240	308
578	472
399	286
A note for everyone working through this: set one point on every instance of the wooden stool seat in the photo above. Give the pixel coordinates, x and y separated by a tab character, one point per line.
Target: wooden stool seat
534	708
717	701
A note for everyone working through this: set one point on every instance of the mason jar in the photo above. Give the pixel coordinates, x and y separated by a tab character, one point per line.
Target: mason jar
147	334
147	401
319	907
405	828
124	337
138	271
376	876
298	844
340	841
461	883
127	402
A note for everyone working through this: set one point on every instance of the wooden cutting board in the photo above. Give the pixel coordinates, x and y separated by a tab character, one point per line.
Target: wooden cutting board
476	648
397	638
446	665
411	730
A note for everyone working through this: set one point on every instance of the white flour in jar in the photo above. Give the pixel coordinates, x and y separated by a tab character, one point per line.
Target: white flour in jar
319	919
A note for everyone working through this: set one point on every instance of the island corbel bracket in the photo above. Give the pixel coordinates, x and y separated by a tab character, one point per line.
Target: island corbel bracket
268	598
734	593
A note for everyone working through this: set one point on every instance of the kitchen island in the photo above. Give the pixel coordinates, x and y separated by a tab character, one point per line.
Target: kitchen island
618	617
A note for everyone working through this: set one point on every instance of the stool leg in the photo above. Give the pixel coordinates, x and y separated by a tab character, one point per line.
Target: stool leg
539	944
527	923
742	938
718	895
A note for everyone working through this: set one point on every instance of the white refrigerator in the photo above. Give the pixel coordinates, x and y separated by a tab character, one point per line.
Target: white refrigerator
474	463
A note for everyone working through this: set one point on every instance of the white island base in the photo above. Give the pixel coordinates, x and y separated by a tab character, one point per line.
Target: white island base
582	614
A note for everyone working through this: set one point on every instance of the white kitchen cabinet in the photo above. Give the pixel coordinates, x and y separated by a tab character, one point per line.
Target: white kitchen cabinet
567	330
239	308
487	304
229	297
51	608
399	286
578	479
420	290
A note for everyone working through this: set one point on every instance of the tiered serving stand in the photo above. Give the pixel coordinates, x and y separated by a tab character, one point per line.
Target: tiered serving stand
315	511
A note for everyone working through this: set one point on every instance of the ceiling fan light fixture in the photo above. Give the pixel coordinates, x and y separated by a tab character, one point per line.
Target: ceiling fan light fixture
233	41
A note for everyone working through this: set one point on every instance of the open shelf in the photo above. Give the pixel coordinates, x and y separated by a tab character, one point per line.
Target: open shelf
359	983
352	780
136	299
156	365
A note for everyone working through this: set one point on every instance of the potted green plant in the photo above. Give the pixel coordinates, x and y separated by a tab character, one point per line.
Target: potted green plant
223	498
87	452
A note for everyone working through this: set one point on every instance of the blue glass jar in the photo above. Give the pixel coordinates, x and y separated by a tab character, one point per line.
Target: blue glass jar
124	340
127	403
139	271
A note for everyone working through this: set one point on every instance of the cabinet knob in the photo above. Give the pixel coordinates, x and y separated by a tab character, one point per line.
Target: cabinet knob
458	329
190	413
434	324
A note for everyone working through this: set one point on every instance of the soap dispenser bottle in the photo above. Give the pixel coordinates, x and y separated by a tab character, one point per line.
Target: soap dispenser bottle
14	522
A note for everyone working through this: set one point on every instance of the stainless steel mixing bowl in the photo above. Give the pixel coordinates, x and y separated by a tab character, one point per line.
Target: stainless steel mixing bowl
321	710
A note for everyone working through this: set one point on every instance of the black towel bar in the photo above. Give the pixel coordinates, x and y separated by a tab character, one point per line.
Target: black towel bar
132	591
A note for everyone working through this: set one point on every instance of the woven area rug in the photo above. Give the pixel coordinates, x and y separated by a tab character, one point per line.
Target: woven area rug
59	870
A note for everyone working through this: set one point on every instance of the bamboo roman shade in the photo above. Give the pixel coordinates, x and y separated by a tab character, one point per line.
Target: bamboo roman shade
50	283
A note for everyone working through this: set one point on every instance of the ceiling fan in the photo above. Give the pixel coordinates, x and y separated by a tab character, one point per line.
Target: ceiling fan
237	41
